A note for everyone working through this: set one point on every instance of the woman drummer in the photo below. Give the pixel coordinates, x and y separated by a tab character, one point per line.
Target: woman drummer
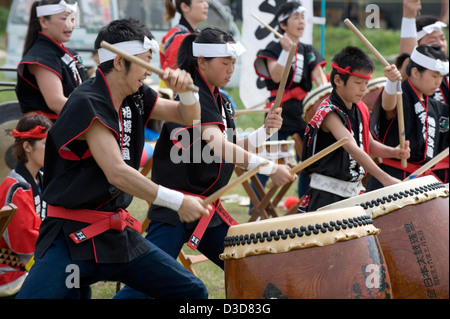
200	159
49	71
307	67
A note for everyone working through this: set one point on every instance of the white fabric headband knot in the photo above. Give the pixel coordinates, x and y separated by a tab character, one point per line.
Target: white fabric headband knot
437	26
51	9
430	63
131	47
218	50
286	16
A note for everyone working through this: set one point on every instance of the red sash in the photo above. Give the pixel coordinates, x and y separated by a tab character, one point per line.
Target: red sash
203	223
100	221
411	168
296	93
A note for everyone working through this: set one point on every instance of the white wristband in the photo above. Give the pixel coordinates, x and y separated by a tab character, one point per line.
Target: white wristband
282	59
392	88
169	198
255	160
258	137
408	28
188	98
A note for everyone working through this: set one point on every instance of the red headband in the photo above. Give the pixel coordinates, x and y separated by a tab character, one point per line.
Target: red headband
340	70
33	133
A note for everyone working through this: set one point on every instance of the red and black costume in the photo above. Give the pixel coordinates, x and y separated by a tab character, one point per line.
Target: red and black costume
298	85
19	239
426	127
64	62
339	164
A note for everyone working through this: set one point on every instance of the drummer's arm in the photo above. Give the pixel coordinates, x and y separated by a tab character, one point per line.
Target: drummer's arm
232	153
389	96
273	121
378	149
333	124
408	39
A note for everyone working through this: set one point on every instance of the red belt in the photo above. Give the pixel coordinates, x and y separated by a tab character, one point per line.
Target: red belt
411	168
50	116
100	221
203	223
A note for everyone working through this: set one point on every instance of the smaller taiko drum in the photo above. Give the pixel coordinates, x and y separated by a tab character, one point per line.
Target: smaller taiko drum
414	220
313	100
374	89
281	152
321	255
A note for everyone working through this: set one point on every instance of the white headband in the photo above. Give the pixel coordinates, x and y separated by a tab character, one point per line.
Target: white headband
430	63
217	50
437	26
286	16
130	47
51	9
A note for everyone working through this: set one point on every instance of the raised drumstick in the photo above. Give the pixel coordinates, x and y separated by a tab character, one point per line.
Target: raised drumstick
238	181
302	165
401	120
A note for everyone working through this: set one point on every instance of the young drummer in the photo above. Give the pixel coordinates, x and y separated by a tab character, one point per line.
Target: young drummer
199	159
92	155
22	187
418	30
338	175
48	71
307	67
192	13
426	119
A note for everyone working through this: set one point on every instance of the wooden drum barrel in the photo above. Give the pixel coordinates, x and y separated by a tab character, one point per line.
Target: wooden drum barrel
414	220
322	255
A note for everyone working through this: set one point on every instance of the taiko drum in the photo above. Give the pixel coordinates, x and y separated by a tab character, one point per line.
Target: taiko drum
414	220
321	255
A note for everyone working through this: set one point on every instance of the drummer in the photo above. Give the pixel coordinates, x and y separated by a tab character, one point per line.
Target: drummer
199	159
339	175
307	67
92	155
426	119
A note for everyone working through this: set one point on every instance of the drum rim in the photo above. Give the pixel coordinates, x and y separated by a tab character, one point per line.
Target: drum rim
345	224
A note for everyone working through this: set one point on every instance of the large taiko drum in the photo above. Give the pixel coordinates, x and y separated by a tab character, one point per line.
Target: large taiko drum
321	255
413	218
281	152
313	100
374	89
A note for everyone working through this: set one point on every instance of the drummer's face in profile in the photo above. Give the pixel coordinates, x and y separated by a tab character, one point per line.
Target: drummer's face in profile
354	90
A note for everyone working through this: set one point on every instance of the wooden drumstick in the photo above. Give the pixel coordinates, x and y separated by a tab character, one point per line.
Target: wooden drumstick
400	114
268	27
238	181
302	165
429	165
140	62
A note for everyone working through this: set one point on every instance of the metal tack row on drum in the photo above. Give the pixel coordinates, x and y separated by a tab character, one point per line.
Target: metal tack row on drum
391	243
331	254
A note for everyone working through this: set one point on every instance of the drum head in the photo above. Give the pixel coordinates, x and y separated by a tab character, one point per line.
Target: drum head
313	100
10	115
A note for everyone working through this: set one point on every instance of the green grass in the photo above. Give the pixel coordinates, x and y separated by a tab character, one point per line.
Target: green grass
336	38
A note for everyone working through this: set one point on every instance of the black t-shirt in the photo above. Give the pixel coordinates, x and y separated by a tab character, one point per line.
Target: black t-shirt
73	179
182	159
64	62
